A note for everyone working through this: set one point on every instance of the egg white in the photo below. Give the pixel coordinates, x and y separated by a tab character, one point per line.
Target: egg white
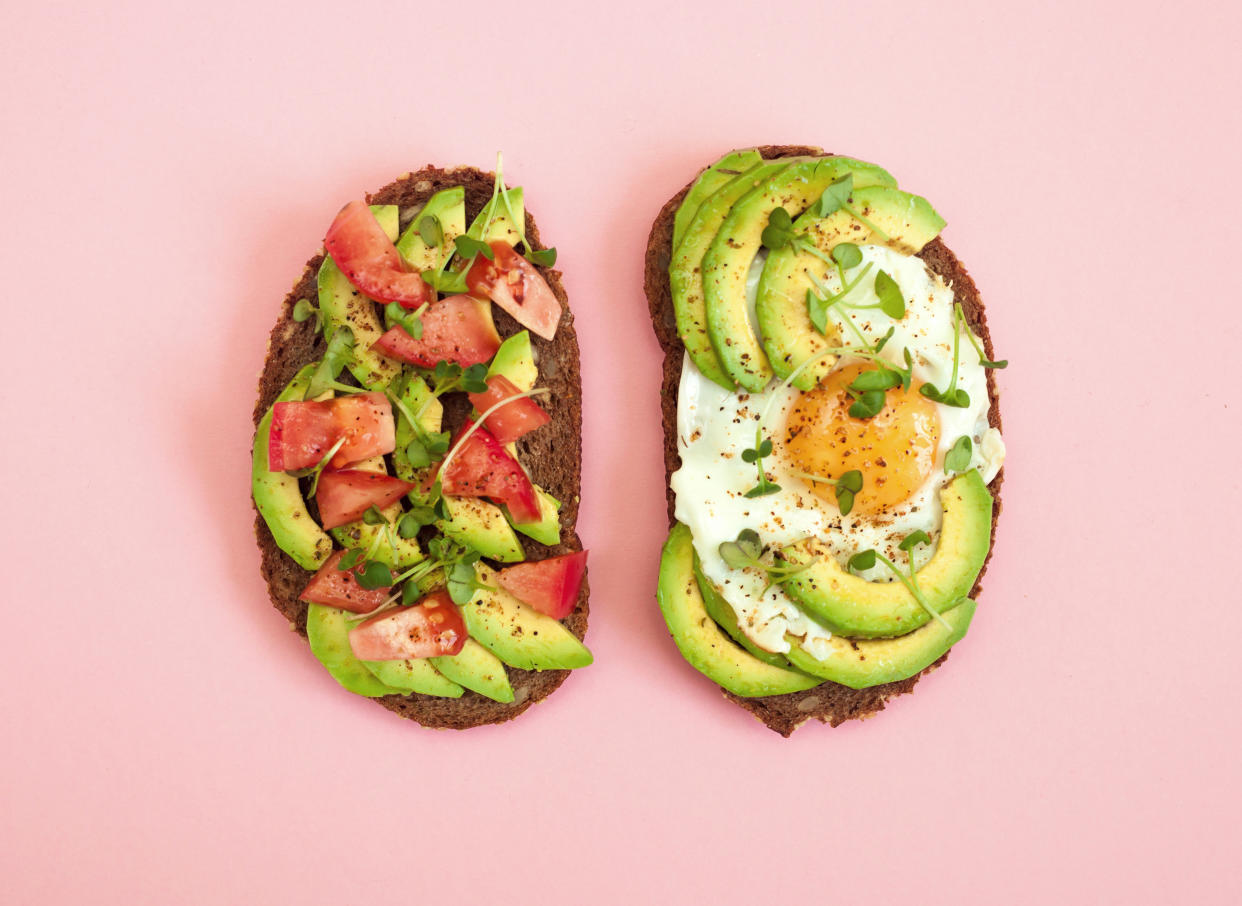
715	425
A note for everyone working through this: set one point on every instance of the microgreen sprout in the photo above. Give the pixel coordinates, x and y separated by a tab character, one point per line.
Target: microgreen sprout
959	455
430	231
846	256
970	335
864	560
849	484
748	551
952	395
339	353
409	321
780	233
303	310
762	448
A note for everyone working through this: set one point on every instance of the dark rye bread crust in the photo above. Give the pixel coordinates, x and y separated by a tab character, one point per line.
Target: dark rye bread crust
553	454
829	703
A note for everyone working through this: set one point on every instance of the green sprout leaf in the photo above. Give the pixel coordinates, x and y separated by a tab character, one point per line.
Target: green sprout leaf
463	580
851	480
430	231
837	195
303	309
914	539
474	379
875	379
469	247
410	594
951	396
845	500
883	341
338	354
373	516
892	301
817	310
374	575
862	561
352	558
779	232
763	489
847	254
542	257
417	454
868	405
959	455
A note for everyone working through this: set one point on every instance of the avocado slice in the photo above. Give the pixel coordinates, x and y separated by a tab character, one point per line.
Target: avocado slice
685	275
726	618
515	360
709	182
854	607
789	339
481	525
329	640
477	669
448	206
519	635
728	259
414	675
860	663
704	644
343	306
278	498
548	529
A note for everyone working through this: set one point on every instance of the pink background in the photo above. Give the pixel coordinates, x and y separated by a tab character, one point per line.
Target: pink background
167	739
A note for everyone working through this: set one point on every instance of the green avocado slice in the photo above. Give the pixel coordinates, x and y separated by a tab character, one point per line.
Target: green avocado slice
343	305
856	608
519	635
726	618
728	259
704	644
860	663
448	207
414	675
908	221
709	182
329	640
685	274
477	669
515	360
278	498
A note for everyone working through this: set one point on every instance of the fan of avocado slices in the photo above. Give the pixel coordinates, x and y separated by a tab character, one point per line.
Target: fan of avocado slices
412	589
784	281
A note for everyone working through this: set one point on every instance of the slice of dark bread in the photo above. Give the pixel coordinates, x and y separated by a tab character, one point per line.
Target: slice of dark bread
553	454
830	703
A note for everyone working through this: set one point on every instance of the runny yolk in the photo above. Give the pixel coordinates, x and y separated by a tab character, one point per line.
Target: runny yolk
895	450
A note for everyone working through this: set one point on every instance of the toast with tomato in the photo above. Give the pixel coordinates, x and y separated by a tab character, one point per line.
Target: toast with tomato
417	455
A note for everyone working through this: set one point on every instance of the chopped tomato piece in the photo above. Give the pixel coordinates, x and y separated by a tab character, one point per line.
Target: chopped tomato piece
516	285
370	261
550	586
455	329
344	496
339	588
302	434
303	431
482	467
514	419
365	420
431	628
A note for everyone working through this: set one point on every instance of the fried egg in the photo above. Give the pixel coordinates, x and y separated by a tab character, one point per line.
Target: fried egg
900	452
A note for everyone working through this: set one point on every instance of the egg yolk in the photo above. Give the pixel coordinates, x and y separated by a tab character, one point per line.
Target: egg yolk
895	450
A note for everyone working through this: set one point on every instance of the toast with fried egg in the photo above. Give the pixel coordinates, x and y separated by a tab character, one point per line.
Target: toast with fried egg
826	701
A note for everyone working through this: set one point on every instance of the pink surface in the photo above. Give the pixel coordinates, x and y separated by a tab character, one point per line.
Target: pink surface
169	740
